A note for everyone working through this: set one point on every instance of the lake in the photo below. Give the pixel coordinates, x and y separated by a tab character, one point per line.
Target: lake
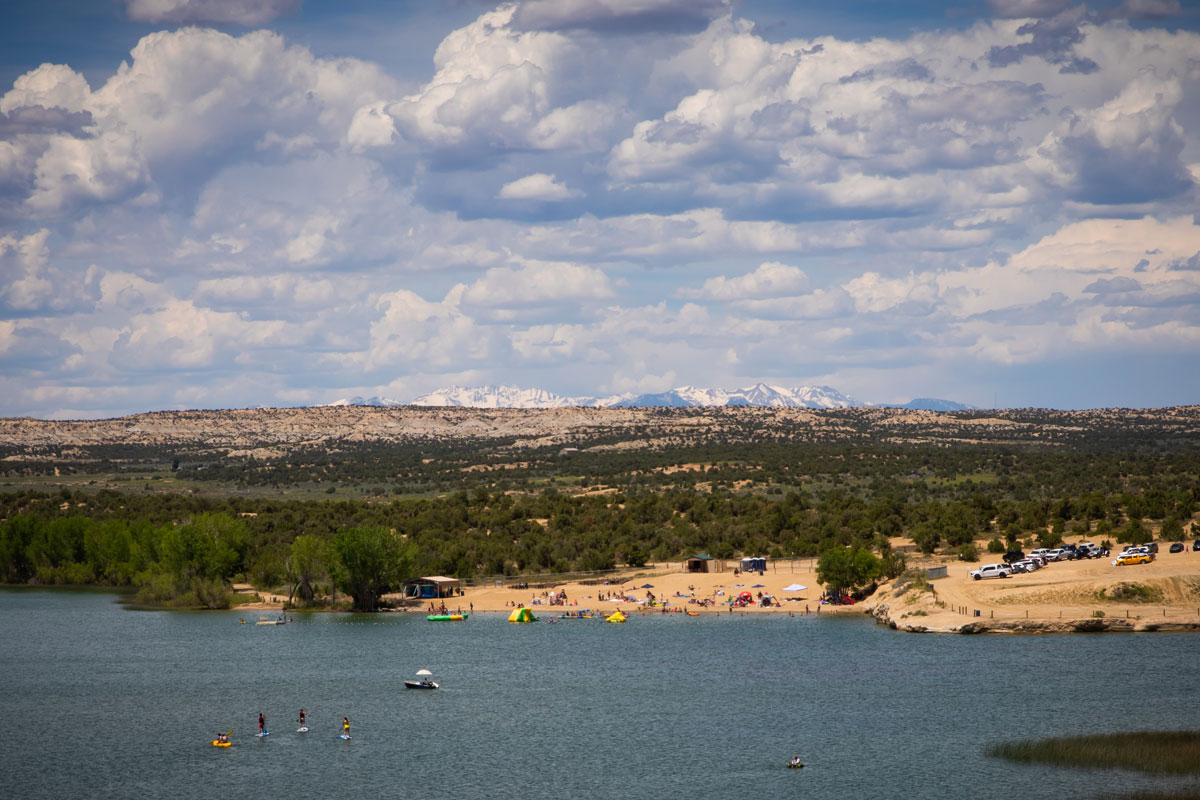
101	701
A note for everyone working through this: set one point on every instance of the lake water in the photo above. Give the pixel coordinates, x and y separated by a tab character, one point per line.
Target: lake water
100	701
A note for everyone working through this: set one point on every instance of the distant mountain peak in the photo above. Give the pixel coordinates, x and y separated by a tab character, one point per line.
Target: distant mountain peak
759	395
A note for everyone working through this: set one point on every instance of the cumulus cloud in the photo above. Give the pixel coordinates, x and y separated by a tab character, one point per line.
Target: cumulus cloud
538	186
536	284
1192	262
187	99
583	175
1112	285
770	279
242	12
1145	9
1016	9
619	16
1127	150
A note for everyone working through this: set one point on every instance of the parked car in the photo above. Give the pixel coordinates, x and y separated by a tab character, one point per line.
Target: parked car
1029	564
1058	554
1196	545
1131	558
991	571
1040	561
1091	550
1151	547
1177	547
1041	551
1013	556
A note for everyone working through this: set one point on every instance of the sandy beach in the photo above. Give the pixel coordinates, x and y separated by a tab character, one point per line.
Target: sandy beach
1166	593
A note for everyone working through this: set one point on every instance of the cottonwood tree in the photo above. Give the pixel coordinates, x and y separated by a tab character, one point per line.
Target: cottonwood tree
368	560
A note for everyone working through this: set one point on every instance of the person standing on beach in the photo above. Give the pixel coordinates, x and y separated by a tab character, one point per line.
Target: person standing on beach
262	724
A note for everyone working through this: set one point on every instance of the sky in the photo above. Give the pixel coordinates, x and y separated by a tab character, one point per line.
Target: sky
216	204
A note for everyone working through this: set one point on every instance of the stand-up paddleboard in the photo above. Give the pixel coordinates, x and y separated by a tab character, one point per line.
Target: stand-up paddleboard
344	736
264	733
302	729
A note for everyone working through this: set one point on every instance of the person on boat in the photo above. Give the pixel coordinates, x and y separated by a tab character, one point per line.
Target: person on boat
346	726
303	718
795	761
262	724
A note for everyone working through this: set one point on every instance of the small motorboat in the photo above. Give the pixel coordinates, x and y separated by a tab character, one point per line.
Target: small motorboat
425	681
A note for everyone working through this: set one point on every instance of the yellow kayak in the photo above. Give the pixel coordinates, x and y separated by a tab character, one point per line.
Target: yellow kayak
215	743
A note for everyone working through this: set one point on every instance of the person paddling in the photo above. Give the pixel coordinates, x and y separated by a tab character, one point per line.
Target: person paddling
262	724
346	727
303	718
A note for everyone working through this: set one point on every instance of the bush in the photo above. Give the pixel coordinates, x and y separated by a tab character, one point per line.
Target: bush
995	546
1050	538
1134	533
968	552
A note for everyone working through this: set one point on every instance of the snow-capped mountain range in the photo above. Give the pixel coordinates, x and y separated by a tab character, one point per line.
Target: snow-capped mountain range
761	394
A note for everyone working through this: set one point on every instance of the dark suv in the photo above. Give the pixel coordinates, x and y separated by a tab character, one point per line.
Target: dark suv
1019	555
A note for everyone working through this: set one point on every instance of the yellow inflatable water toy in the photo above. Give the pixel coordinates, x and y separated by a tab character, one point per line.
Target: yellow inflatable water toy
522	615
616	616
216	743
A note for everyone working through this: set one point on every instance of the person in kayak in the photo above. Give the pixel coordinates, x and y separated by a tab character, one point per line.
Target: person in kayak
262	724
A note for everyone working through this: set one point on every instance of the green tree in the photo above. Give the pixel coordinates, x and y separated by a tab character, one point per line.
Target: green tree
369	560
844	569
306	561
1172	530
1134	533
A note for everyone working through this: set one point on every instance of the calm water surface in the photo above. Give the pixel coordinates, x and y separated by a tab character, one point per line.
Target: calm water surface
100	701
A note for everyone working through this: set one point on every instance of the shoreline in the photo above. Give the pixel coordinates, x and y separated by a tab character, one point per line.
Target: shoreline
1088	596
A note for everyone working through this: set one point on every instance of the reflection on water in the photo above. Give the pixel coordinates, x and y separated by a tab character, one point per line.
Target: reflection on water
104	702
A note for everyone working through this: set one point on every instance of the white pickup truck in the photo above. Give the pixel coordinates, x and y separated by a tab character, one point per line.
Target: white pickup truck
991	571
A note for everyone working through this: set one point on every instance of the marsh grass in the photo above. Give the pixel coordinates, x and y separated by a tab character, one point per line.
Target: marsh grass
1162	752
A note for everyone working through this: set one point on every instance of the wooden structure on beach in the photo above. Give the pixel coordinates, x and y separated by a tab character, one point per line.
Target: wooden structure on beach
703	563
432	587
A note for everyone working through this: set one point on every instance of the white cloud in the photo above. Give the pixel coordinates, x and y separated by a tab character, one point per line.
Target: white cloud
243	12
538	283
770	279
538	186
625	16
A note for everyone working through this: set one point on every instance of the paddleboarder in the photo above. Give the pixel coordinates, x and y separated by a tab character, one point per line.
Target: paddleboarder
262	724
303	718
346	727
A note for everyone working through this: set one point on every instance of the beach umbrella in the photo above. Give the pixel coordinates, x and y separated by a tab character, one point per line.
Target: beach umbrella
647	585
758	586
795	587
